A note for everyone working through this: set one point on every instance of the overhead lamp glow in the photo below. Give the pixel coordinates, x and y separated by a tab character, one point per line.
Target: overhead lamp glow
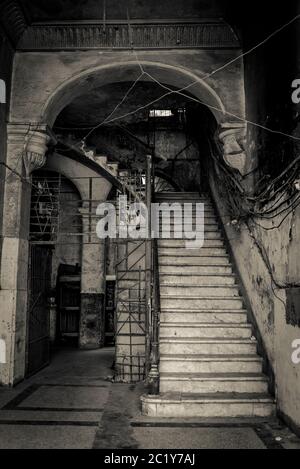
161	113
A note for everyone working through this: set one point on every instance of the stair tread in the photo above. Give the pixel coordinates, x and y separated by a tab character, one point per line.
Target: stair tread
185	198
208	310
190	200
176	255
201	357
183	194
207	222
218	396
188	285
206	325
192	265
209	376
208	339
179	192
182	274
203	297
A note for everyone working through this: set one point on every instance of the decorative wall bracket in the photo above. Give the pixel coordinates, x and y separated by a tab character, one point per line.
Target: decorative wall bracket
33	141
233	138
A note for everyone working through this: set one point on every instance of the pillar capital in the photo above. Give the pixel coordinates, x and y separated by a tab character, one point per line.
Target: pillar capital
233	138
32	140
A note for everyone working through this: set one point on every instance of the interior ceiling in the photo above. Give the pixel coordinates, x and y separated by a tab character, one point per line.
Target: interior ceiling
251	20
95	106
60	10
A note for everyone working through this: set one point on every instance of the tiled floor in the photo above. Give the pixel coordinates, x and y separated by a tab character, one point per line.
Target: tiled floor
61	406
73	404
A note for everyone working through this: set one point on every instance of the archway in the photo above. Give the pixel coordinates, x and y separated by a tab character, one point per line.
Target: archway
47	94
172	76
167	131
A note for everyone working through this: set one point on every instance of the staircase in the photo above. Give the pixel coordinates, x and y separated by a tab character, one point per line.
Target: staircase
209	366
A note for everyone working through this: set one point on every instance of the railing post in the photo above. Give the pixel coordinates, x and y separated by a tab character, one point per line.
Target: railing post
153	377
148	260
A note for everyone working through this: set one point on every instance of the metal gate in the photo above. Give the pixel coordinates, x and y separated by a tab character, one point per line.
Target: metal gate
38	345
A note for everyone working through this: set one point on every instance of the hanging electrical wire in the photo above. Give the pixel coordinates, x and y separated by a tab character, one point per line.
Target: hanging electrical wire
109	118
242	207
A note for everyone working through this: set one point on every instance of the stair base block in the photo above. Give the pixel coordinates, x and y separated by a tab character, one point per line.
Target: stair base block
170	405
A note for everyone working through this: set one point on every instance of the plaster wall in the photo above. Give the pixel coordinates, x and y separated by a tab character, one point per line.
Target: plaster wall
93	189
46	82
266	301
6	63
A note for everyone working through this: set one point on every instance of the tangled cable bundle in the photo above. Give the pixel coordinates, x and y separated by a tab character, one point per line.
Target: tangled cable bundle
280	196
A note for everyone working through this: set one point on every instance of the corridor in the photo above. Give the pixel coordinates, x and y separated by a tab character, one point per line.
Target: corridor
73	404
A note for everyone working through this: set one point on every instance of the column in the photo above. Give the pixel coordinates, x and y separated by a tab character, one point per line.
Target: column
92	311
26	148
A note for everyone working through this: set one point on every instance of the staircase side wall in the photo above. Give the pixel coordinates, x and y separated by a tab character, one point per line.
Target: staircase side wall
272	308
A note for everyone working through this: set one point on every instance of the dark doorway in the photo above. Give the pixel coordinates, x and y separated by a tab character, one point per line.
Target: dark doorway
68	305
38	343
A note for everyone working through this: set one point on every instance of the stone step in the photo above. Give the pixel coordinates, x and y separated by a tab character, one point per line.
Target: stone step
187	252
194	260
204	316
181	232
210	363
185	197
187	236
190	213
188	203
165	228
208	236
180	243
179	279
187	211
194	329
194	302
207	346
208	405
166	268
188	221
189	216
180	195
199	290
213	382
174	206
